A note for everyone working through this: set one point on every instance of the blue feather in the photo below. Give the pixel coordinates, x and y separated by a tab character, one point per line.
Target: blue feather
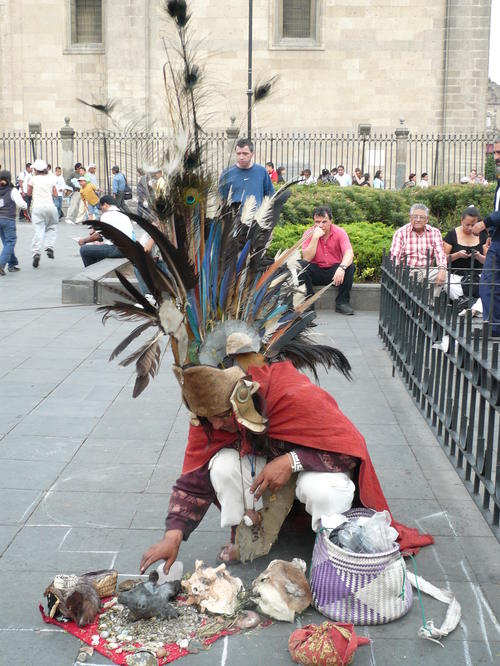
243	256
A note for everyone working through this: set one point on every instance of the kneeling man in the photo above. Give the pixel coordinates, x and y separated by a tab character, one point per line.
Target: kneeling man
254	429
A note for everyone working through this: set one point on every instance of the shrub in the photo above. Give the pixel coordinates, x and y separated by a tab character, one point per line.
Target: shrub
358	204
368	239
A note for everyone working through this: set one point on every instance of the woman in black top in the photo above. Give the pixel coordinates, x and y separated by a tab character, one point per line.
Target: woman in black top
467	252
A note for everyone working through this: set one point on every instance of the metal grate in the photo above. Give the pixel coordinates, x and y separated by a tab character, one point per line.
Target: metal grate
87	22
297	21
458	390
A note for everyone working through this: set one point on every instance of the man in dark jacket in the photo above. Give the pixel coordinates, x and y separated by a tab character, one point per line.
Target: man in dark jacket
489	288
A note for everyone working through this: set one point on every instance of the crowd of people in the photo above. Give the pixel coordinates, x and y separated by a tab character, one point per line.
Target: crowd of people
327	254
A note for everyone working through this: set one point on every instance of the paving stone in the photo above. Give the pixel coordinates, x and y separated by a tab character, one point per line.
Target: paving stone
465	518
404	484
483	556
124	451
152	511
7	533
32	447
29	474
109	477
16	505
57	425
44	549
54	407
86	509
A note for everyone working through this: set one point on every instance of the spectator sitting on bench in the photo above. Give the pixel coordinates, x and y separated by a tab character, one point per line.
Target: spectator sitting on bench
94	248
327	256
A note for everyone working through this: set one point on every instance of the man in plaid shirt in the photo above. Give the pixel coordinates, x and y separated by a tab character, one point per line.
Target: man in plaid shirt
417	243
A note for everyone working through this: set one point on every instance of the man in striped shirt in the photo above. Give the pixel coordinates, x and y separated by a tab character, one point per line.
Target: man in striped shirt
417	244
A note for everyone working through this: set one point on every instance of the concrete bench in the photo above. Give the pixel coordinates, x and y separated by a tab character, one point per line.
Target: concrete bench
91	286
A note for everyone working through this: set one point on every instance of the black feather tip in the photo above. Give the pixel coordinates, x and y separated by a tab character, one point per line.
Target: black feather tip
191	76
262	91
177	9
102	108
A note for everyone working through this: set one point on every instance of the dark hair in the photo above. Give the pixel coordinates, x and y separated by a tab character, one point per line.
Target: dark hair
357	169
245	143
471	211
281	168
107	199
270	164
78	165
307	171
322	211
341	166
424	174
333	170
412	175
115	168
27	165
378	173
366	176
6	175
325	172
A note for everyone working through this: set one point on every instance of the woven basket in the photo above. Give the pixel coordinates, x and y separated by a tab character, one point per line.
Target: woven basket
360	588
104	581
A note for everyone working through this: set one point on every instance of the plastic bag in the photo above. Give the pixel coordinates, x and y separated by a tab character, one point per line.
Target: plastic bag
372	535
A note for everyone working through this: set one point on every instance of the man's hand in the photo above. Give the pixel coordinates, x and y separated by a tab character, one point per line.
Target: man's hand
338	277
274	476
318	232
166	549
441	276
81	241
478	228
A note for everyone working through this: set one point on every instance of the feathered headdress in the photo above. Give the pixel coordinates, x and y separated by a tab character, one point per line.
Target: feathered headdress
219	281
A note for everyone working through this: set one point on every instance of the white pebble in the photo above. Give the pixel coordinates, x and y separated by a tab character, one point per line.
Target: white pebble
183	643
95	639
104	634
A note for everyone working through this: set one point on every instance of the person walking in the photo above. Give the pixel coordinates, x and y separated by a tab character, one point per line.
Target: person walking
10	198
43	211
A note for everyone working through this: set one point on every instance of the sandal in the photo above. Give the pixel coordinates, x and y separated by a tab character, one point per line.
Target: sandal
229	554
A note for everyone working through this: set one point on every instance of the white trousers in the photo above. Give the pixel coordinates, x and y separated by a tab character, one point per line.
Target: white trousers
44	219
323	493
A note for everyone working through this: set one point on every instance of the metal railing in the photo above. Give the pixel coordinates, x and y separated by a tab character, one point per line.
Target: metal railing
445	157
450	368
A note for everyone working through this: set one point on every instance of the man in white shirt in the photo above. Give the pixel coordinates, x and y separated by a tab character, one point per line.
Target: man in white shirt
60	187
24	181
91	174
93	248
343	178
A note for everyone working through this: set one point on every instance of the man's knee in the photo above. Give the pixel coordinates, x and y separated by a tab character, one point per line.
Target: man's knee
223	466
323	486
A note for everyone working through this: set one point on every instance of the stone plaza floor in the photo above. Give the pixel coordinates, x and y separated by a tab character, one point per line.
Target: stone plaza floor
86	471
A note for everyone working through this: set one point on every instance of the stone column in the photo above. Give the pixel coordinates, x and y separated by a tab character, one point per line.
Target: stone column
401	133
67	134
232	133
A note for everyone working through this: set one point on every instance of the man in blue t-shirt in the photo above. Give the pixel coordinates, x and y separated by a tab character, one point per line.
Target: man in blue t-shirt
245	178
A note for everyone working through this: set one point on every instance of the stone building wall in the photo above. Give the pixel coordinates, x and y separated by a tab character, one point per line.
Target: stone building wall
376	61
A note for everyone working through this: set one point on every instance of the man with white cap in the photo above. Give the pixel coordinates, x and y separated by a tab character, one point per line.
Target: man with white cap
43	212
91	175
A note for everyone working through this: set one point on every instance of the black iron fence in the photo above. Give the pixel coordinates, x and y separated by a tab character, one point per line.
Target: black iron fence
445	157
450	367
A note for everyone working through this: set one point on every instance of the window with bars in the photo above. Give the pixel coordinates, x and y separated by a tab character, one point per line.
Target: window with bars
86	22
296	23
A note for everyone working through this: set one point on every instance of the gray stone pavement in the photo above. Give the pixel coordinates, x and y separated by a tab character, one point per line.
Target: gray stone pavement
86	471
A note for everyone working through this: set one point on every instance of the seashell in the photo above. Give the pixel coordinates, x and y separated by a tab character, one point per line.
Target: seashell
248	619
161	652
113	646
213	589
95	639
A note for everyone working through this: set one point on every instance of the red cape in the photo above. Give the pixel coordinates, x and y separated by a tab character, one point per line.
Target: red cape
302	413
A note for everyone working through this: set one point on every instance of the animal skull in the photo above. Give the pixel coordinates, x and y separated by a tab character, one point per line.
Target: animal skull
282	590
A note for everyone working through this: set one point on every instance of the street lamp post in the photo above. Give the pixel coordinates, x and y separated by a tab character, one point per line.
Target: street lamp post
249	91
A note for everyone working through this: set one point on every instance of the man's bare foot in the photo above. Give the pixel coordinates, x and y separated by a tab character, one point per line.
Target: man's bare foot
229	554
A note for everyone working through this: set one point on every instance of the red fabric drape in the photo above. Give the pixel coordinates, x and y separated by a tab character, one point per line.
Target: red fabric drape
302	413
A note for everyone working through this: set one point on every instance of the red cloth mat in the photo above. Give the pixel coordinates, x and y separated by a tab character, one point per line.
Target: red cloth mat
85	634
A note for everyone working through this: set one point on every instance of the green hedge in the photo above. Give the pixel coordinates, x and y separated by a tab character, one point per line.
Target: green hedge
368	239
360	204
